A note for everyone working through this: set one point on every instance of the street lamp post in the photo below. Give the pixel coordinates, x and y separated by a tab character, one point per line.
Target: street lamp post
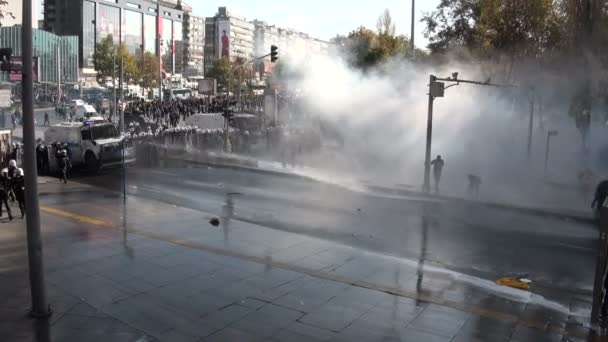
437	89
40	308
550	134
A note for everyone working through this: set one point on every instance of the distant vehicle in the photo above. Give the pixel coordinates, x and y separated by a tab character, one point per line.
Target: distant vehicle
181	93
94	143
206	121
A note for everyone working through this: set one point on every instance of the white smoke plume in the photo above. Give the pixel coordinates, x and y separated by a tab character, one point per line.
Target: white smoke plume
382	115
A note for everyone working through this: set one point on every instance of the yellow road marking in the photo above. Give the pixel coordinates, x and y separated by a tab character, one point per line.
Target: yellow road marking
471	309
76	217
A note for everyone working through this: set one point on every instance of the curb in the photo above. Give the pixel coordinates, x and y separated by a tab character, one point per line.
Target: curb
235	164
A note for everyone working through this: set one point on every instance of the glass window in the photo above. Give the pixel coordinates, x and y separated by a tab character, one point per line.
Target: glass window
108	22
133	5
166	44
88	33
178	43
150	34
133	31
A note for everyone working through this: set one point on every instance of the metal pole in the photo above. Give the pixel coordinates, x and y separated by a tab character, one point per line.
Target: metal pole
429	136
547	153
600	269
58	74
40	308
412	46
160	55
530	129
114	86
276	107
122	94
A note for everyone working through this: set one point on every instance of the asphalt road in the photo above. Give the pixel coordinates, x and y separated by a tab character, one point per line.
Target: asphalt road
555	253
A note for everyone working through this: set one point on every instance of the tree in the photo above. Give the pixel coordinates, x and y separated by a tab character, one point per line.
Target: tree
131	68
453	24
149	70
4	13
385	24
103	57
228	73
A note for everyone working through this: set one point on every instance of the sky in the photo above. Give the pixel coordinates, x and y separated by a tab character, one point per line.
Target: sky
323	18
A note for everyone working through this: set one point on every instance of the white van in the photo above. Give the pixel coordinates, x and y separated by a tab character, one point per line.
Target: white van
94	143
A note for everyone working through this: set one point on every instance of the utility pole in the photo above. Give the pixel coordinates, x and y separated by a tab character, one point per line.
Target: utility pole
114	85
530	125
437	89
412	46
40	308
160	54
550	134
122	94
58	74
426	187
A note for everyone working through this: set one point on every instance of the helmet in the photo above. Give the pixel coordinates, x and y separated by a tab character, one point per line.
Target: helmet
20	172
4	172
12	163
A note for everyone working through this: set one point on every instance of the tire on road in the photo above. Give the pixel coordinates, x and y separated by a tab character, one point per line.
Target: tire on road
91	162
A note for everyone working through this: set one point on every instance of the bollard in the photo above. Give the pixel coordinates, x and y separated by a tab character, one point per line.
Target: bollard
599	290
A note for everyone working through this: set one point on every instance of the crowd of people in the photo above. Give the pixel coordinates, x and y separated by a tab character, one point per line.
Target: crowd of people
171	113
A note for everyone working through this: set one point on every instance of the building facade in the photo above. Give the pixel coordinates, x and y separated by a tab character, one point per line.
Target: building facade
56	56
138	24
227	35
194	44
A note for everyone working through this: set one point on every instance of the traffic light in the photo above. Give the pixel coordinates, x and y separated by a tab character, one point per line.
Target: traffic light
274	53
5	60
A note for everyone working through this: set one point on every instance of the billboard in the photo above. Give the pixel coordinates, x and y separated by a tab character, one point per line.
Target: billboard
223	39
207	86
17	76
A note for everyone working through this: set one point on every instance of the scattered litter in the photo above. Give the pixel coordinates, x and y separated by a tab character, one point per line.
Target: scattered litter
220	185
517	283
214	222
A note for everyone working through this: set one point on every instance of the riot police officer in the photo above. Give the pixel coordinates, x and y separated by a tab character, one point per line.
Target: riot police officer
18	187
4	189
63	161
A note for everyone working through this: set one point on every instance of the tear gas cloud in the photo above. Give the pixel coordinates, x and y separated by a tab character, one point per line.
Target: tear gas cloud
381	116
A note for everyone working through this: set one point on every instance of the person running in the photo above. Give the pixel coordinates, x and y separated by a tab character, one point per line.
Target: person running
18	186
47	121
438	165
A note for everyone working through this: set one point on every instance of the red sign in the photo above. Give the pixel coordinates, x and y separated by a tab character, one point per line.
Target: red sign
17	76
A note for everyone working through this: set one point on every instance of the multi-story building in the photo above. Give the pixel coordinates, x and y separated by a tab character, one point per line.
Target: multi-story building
194	43
288	42
14	13
227	35
56	57
136	23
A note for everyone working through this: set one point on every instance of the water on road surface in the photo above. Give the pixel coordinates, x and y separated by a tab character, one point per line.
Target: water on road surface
468	242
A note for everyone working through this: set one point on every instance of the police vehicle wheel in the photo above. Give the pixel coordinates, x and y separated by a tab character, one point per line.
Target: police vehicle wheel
91	163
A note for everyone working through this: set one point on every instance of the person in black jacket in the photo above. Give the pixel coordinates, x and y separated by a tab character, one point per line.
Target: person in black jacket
4	189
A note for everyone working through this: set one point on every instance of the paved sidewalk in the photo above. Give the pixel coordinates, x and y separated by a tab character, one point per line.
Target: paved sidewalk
184	280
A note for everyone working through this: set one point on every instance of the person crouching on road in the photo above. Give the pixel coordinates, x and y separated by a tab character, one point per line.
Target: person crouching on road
4	188
18	186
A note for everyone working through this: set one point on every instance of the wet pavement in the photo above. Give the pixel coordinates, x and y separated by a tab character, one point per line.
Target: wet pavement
289	262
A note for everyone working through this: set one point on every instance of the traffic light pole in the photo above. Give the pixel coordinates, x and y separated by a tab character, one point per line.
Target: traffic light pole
429	136
436	89
40	308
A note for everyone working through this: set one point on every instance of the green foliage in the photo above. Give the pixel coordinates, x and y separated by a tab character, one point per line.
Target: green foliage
104	53
4	13
149	70
228	72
